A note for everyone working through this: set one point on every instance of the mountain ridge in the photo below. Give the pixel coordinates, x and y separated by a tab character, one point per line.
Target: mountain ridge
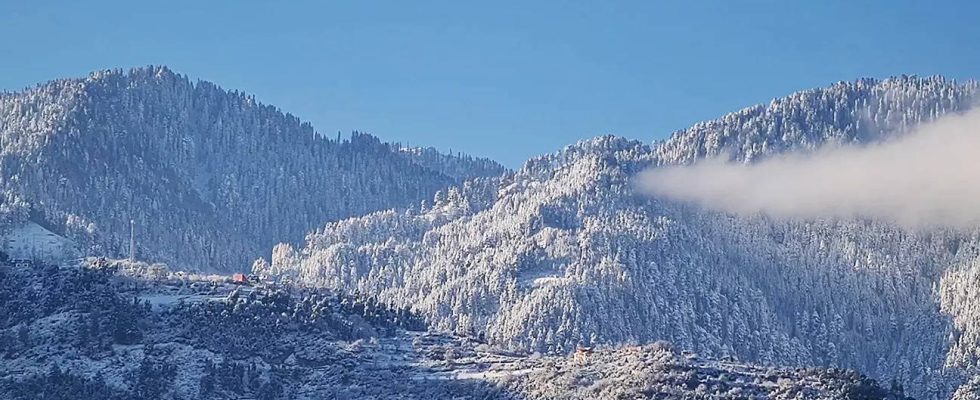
788	130
117	146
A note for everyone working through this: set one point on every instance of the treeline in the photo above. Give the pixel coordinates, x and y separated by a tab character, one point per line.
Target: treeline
262	321
101	315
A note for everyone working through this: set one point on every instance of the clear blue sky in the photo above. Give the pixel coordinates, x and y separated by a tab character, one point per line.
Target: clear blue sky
506	80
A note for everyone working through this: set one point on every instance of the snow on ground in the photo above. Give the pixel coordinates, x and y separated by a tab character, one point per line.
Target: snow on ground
493	374
161	300
470	361
541	277
31	241
548	280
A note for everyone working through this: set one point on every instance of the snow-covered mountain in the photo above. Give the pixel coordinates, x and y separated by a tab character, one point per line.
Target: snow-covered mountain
211	178
564	253
558	255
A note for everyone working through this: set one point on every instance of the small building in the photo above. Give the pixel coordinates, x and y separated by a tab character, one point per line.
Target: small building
583	353
239	278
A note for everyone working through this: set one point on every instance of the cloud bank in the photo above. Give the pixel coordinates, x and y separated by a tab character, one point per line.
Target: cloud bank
927	178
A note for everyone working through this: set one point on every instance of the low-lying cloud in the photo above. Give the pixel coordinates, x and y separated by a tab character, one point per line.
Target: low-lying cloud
927	178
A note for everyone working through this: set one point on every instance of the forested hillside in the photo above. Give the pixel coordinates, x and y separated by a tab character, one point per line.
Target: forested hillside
212	178
564	253
860	112
106	329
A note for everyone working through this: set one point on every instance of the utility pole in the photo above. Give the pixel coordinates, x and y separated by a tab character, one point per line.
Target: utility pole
132	240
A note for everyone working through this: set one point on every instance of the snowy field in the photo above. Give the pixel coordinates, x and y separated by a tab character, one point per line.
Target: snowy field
31	241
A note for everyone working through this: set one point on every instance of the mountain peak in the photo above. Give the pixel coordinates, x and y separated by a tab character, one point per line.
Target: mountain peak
212	178
863	111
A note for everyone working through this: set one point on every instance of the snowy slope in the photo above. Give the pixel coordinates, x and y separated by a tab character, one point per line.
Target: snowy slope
31	241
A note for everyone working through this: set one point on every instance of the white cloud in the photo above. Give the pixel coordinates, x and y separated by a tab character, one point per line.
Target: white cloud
928	178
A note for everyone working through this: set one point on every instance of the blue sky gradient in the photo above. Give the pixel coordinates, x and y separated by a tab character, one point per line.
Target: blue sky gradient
505	79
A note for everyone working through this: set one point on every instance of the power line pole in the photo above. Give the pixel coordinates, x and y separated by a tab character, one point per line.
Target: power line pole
132	241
